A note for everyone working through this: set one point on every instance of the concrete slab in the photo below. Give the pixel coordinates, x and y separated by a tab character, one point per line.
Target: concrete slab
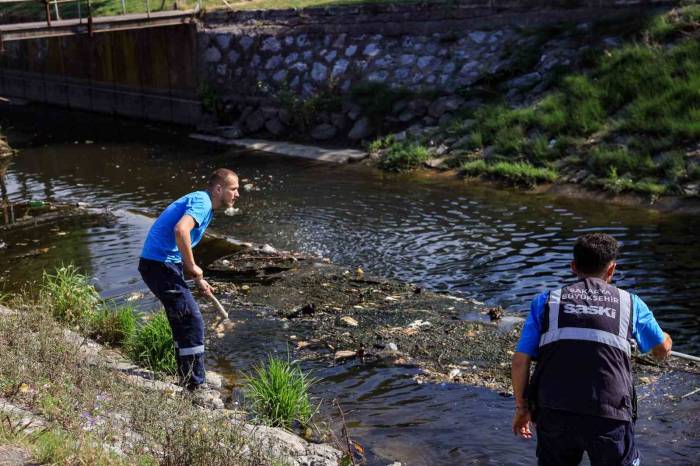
288	149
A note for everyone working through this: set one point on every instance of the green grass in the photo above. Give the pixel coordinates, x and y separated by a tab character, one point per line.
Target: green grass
278	393
380	143
517	173
73	300
622	117
89	407
401	156
151	345
113	326
70	296
678	22
604	159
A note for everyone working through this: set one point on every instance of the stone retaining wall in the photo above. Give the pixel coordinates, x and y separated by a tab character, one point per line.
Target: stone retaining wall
253	60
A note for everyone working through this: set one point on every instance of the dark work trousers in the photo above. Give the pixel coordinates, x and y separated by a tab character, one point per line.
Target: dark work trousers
562	437
167	282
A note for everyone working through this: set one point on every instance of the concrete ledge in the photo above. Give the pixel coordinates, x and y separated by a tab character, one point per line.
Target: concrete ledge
288	149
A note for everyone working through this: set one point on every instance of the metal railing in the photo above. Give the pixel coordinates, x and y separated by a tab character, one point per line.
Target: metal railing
55	3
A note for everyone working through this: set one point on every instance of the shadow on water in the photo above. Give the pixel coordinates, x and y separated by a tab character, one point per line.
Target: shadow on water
494	245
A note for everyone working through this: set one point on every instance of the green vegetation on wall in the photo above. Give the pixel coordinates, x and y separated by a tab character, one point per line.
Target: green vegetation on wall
627	121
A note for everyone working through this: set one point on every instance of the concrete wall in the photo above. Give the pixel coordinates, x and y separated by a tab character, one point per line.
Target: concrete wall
144	73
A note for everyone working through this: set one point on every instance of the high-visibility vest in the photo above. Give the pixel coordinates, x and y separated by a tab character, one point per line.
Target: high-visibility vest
584	363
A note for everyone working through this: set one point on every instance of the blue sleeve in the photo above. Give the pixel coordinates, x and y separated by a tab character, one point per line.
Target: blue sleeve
198	206
645	330
530	337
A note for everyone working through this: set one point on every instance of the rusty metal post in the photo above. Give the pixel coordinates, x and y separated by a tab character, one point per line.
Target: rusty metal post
48	13
89	18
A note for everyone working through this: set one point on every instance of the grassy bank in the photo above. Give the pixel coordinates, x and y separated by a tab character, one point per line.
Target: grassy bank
626	120
94	416
73	301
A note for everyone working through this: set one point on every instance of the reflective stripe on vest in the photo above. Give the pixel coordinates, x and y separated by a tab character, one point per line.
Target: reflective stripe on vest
616	340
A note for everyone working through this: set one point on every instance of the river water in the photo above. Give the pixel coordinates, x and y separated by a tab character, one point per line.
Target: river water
497	246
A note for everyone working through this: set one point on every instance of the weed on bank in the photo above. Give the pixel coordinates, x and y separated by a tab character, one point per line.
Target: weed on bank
93	415
278	393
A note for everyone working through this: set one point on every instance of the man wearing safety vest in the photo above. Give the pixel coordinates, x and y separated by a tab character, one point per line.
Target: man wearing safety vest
581	395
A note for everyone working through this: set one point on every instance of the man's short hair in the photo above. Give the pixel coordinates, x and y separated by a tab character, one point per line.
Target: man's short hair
594	251
219	176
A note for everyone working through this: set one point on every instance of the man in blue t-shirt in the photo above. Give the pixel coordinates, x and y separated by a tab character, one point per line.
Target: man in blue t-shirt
167	257
581	395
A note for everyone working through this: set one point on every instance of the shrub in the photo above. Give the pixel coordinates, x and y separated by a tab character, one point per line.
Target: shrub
380	143
151	345
539	149
604	159
278	393
113	326
510	140
69	294
403	156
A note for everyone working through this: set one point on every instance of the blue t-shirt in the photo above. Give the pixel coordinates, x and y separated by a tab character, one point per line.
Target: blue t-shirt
645	330
160	243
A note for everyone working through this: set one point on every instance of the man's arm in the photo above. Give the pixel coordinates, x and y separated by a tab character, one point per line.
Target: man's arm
663	349
520	375
184	244
647	332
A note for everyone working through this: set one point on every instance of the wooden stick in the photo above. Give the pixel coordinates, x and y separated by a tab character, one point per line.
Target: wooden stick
218	306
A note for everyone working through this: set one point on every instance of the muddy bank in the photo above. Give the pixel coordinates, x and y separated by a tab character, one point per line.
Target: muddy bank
345	316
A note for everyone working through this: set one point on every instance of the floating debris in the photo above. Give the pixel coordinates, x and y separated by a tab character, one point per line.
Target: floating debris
349	321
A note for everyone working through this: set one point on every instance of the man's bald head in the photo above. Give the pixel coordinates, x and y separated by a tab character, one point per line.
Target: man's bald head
221	176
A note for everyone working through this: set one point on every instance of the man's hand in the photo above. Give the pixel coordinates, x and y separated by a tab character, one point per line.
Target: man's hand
662	350
521	423
204	287
194	272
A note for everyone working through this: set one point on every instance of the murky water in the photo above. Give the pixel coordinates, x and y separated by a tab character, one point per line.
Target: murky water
497	246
